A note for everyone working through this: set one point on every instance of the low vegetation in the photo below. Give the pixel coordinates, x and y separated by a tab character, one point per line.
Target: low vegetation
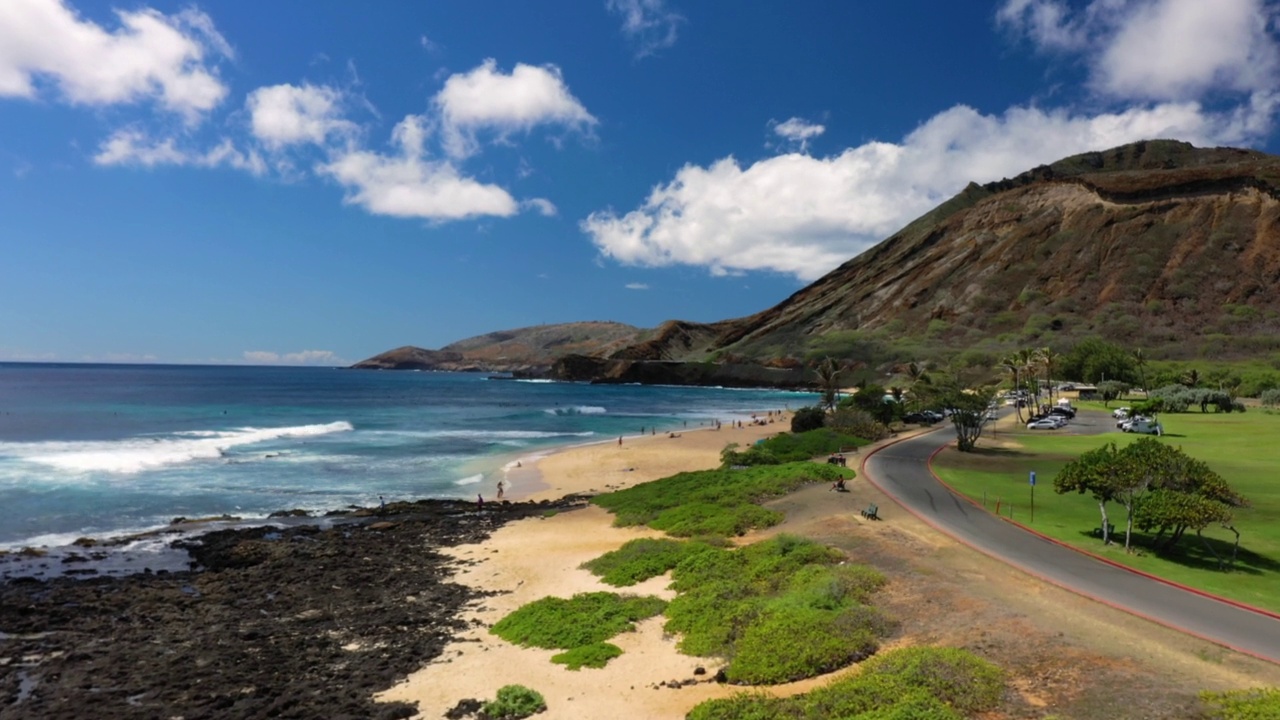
644	558
514	702
777	610
580	624
791	447
595	655
918	683
713	502
1255	704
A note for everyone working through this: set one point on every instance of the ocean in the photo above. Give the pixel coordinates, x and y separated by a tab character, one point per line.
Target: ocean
104	450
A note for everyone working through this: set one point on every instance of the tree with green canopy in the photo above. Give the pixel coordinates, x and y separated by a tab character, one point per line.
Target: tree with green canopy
1163	490
968	403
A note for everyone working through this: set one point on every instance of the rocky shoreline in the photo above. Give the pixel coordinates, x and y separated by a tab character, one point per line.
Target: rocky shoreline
301	621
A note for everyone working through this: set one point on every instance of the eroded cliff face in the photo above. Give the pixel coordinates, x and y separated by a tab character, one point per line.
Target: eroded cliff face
1155	243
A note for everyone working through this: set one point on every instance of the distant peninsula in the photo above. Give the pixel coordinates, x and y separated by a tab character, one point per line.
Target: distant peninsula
528	351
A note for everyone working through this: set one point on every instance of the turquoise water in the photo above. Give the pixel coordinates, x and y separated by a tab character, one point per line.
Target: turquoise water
104	449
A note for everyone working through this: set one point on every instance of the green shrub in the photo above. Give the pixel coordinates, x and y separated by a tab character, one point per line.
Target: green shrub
584	619
731	456
596	655
1271	398
963	680
918	705
1255	704
640	559
777	610
853	696
714	493
515	701
714	519
795	642
740	706
793	447
808	418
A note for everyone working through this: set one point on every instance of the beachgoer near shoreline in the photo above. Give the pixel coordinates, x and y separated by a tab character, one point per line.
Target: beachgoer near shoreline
501	488
479	501
382	508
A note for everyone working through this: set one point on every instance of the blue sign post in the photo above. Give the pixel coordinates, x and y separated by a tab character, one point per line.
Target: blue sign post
1033	496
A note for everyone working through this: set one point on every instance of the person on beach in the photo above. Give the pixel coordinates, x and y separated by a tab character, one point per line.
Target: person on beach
479	501
382	509
619	441
501	487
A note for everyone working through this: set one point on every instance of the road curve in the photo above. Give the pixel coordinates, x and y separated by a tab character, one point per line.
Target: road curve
901	470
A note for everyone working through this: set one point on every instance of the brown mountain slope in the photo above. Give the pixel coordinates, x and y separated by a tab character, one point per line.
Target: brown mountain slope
526	350
1156	244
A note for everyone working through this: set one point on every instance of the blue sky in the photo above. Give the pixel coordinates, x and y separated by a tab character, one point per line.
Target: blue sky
316	182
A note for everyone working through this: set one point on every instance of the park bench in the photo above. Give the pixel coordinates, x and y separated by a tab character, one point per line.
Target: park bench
1111	530
872	512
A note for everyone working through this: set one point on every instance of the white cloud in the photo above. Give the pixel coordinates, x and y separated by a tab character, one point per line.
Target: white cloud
1159	49
304	357
1046	22
134	148
798	131
486	99
648	24
151	56
283	115
804	215
409	185
544	207
636	286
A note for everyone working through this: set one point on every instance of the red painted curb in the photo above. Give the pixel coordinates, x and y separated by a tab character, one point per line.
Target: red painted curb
929	464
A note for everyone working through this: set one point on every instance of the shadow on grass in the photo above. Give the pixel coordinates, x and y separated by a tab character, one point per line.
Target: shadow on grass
998	452
1191	553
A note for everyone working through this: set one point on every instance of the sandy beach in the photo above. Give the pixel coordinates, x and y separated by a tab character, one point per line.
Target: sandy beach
540	557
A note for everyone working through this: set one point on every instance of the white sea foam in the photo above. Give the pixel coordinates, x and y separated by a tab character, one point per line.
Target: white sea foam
469	480
576	410
133	455
540	381
503	434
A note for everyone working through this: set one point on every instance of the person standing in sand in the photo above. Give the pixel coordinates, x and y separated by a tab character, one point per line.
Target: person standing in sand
501	487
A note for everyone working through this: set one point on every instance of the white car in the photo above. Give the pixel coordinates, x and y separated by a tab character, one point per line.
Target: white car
1044	424
1120	413
1145	426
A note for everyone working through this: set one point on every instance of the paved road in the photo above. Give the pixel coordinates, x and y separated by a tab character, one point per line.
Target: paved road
901	470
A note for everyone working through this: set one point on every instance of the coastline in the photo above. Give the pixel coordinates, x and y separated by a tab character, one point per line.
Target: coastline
540	556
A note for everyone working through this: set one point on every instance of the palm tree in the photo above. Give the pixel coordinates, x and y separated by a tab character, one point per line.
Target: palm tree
1049	357
1010	362
1028	360
1191	378
829	383
1140	362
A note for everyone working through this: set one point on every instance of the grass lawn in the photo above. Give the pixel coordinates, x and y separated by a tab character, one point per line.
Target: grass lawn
1242	448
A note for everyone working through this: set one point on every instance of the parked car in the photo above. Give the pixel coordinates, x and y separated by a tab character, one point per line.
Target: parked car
1120	413
1065	412
1043	424
1145	426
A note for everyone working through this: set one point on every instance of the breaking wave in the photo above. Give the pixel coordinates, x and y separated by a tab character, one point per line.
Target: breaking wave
133	455
576	410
